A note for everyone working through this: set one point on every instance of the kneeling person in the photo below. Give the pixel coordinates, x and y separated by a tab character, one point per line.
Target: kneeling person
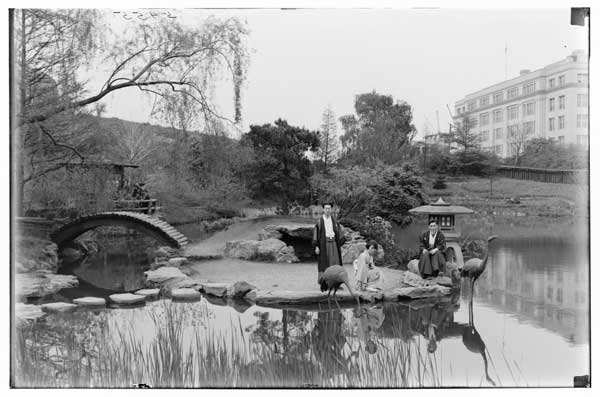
367	275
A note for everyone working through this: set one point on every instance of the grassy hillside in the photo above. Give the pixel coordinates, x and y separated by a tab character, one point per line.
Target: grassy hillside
536	198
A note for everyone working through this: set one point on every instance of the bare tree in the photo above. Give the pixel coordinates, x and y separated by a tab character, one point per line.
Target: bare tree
329	146
162	58
137	144
517	138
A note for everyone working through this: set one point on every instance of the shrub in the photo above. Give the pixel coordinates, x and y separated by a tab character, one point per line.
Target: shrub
440	183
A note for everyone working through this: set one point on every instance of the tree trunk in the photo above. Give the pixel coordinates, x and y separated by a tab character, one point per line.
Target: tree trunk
20	150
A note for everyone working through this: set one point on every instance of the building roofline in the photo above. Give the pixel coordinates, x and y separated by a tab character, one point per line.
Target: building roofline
522	76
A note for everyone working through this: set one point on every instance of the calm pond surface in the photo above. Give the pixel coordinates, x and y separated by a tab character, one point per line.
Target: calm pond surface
529	327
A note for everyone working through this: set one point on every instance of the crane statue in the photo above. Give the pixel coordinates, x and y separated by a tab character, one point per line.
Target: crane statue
474	267
331	280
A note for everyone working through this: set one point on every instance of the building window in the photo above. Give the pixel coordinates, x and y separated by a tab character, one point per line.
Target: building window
582	140
485	135
484	101
552	101
498	97
582	100
512	92
529	88
498	133
513	112
512	130
529	127
473	122
550	293
498	115
582	121
529	109
582	78
551	124
484	119
561	102
471	105
551	83
561	80
561	139
559	295
498	149
561	122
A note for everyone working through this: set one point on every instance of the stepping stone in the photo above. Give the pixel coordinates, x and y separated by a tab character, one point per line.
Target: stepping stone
216	289
58	307
185	294
149	293
127	299
90	301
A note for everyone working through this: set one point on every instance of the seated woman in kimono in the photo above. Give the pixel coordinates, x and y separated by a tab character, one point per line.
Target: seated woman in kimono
368	277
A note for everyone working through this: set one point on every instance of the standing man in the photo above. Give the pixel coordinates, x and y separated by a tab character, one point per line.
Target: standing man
432	244
327	241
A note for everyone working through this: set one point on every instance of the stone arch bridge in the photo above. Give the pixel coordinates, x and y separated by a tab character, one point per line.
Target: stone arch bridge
143	223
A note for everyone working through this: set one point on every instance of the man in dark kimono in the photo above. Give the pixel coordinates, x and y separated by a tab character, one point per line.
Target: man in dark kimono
432	243
327	241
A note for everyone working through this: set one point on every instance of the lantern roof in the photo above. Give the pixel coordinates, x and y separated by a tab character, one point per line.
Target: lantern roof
441	207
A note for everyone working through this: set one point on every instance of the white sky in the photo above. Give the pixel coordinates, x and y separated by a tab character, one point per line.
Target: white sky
303	60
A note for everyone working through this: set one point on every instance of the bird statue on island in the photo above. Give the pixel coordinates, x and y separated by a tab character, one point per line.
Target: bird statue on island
474	267
333	277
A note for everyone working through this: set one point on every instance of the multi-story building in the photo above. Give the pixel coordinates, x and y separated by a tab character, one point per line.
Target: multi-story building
551	102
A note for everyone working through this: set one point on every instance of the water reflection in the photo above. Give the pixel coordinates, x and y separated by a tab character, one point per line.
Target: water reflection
542	285
117	265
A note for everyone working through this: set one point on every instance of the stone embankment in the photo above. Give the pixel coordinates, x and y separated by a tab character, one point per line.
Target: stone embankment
271	247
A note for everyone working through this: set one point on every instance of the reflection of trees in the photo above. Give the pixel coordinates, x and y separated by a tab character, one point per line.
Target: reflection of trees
118	265
59	352
303	349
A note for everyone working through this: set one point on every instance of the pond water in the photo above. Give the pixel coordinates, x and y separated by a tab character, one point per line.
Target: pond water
529	326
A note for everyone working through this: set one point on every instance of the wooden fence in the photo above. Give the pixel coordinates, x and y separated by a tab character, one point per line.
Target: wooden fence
544	175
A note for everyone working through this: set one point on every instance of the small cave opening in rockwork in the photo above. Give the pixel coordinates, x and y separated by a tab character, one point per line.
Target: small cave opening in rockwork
302	247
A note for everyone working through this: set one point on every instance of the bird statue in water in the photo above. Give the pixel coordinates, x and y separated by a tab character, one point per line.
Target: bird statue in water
474	267
333	277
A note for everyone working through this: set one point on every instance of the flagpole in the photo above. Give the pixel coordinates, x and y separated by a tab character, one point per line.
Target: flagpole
505	61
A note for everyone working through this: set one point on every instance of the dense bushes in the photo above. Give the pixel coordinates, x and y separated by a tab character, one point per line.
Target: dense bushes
478	163
385	191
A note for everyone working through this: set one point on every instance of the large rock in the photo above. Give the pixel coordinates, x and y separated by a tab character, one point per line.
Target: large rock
36	254
242	249
90	301
297	230
58	307
286	255
177	262
216	289
42	283
166	252
431	291
239	289
168	278
265	250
